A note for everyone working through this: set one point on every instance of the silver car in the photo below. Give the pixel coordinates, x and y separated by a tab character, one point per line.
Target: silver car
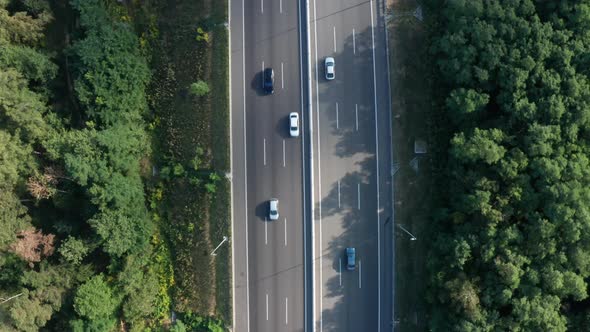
273	209
330	71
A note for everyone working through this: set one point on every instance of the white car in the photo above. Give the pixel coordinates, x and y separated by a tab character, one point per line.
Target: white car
273	209
330	64
294	124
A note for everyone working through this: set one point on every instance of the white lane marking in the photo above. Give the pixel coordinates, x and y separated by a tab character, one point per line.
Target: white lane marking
265	231
281	6
334	39
337	126
245	166
286	311
358	193
264	150
284	164
377	166
353	42
282	80
360	274
266	306
262	6
317	89
338	193
340	270
262	73
356	116
285	232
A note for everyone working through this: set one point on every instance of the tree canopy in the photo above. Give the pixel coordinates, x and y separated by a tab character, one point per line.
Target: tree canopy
512	249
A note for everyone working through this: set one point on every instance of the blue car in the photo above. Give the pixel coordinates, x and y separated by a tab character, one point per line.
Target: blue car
350	259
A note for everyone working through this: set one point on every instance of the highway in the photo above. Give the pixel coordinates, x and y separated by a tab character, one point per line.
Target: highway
268	256
352	167
333	182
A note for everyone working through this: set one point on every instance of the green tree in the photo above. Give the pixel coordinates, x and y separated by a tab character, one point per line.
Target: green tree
199	88
96	303
73	250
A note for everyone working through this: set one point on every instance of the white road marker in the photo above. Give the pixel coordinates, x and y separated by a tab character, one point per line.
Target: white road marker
334	39
338	193
262	73
262	6
265	231
358	192
353	42
282	80
281	6
266	306
264	150
340	270
337	125
286	311
284	153
356	116
360	274
285	232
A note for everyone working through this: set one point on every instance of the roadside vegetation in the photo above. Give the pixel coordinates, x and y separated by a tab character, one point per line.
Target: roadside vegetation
187	46
510	249
411	106
113	188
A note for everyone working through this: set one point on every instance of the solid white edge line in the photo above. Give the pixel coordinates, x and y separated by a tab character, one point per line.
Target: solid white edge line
245	166
231	168
306	300
321	300
377	166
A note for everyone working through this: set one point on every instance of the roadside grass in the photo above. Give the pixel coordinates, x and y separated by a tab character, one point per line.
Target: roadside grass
411	107
194	217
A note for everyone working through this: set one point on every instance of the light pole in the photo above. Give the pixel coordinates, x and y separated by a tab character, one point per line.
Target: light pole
219	245
412	238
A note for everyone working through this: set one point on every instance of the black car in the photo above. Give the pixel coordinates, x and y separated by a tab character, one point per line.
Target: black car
268	80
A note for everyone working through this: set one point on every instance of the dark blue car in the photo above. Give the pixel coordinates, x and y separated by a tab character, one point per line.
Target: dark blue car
268	80
350	259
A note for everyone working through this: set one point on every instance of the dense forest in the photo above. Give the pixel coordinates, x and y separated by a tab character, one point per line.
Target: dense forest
511	250
75	249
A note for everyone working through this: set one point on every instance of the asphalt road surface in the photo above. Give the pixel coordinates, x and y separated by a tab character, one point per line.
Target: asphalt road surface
269	256
333	182
352	167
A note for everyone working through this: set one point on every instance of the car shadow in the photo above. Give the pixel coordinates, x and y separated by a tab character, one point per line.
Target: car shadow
261	211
